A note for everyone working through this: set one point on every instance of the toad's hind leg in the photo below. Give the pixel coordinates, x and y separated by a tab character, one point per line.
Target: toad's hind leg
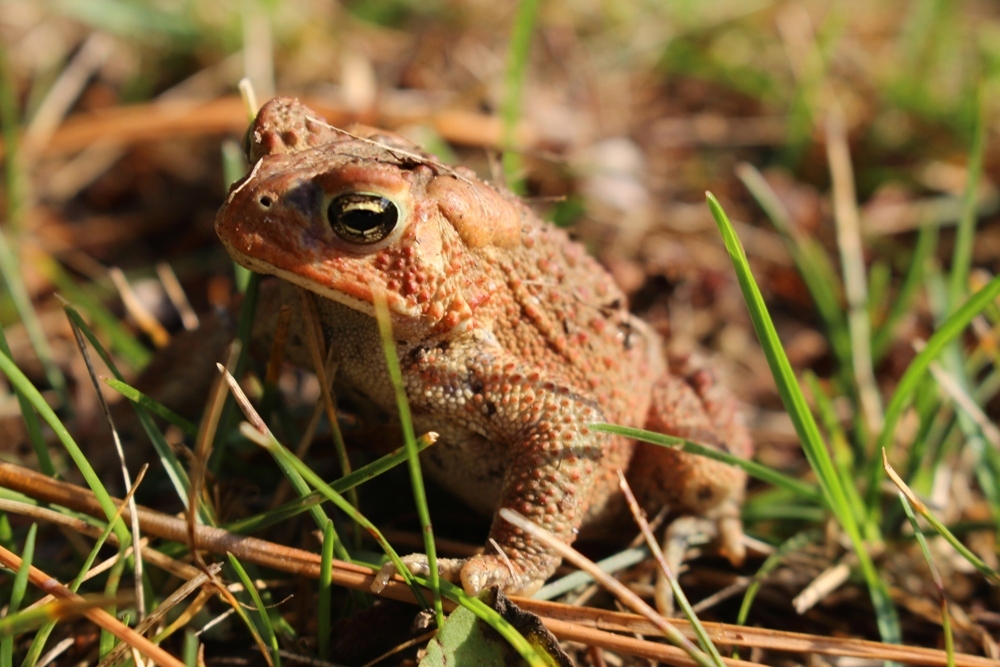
689	403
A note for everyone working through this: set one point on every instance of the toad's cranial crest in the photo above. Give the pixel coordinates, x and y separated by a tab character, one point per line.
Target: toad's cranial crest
512	339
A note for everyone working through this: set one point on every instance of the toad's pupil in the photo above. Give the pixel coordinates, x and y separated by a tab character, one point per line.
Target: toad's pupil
362	218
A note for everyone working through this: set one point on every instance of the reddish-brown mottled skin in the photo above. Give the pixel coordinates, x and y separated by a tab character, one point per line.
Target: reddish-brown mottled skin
512	339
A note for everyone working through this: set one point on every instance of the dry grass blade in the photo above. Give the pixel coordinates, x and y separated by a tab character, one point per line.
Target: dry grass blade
624	595
258	52
853	265
164	608
133	304
134	548
100	617
667	578
175	292
828	581
55	610
277	356
55	652
991	575
317	351
954	389
726	634
249	97
203	450
416	641
126	477
64	92
206	436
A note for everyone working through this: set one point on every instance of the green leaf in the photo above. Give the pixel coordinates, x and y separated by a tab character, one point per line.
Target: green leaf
466	639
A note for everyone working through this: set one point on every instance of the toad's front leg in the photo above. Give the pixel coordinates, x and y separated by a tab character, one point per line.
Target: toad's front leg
551	458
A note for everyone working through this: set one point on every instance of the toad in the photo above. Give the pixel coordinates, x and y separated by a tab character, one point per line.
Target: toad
512	340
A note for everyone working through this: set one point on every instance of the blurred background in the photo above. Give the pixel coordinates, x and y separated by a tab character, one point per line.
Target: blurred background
837	135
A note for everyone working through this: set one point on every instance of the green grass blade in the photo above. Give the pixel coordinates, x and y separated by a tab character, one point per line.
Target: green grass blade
247	310
843	455
885	332
805	426
295	478
107	641
234	166
961	259
958	368
129	19
916	43
323	600
911	502
949	642
286	458
31	424
132	352
410	440
13	624
779	505
265	618
341	485
18	379
286	462
812	263
42	636
154	406
614	563
191	644
794	543
9	265
517	66
952	356
761	472
949	330
18	590
175	471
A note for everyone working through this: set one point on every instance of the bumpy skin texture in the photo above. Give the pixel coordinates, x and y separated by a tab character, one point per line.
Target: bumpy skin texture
511	337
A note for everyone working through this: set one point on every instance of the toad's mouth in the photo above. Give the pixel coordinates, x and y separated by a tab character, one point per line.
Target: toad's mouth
355	294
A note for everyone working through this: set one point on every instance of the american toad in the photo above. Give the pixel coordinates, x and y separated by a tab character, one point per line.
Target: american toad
512	339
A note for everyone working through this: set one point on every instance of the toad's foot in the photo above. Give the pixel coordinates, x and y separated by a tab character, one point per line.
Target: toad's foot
473	574
449	569
722	527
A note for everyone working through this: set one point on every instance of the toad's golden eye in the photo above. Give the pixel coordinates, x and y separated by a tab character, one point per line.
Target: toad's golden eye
362	218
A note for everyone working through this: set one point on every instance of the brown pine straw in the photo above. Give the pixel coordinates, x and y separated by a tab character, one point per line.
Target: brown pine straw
594	627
